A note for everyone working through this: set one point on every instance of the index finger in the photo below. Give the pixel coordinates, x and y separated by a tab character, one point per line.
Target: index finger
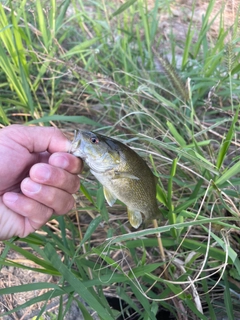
67	162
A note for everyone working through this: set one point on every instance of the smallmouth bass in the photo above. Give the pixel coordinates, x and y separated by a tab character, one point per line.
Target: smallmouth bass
122	172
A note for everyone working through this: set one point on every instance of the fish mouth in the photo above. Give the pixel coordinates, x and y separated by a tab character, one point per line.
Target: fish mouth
76	148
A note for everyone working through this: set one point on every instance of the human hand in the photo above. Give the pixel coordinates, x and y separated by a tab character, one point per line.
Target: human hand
37	178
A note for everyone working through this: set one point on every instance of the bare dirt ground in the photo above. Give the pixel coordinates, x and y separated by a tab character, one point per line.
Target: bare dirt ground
178	25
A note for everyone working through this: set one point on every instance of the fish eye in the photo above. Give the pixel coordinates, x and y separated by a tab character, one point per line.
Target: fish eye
94	140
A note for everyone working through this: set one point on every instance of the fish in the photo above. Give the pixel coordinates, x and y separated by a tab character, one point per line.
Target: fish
122	172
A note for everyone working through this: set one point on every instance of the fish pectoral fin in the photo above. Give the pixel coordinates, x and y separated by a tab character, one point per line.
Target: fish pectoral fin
135	218
119	175
109	196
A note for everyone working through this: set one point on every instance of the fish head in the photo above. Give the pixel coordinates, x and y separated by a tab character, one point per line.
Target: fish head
99	152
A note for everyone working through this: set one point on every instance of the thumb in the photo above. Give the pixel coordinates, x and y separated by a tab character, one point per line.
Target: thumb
38	139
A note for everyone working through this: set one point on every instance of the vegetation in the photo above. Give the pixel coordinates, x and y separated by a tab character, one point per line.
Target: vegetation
102	66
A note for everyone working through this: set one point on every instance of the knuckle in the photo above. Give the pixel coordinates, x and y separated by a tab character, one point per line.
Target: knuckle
67	205
71	203
76	184
36	211
28	206
77	165
51	198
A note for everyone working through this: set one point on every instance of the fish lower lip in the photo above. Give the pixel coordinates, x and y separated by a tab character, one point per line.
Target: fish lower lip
76	143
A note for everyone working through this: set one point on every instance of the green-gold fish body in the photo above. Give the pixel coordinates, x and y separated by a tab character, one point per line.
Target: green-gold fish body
122	172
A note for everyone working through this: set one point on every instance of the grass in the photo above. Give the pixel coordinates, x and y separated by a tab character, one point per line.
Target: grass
101	66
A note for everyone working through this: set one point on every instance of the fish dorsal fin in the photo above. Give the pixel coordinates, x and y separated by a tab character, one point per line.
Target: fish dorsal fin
135	218
109	196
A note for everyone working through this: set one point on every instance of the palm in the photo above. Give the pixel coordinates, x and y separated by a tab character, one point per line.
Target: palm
15	166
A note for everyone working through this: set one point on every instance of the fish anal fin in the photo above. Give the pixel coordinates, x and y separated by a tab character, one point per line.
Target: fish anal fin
135	218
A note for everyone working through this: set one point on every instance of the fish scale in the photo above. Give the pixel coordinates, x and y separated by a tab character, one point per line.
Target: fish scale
122	172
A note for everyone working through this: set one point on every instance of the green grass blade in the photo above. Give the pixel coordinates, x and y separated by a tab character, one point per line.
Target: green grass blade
30	287
43	24
84	190
227	141
75	119
90	230
227	174
176	135
123	7
77	285
227	298
85	313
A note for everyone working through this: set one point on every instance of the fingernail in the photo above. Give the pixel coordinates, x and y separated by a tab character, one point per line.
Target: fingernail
10	197
30	186
41	173
60	161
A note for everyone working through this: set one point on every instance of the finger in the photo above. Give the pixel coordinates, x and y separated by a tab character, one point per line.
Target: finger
38	139
66	161
55	177
43	157
59	200
25	214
